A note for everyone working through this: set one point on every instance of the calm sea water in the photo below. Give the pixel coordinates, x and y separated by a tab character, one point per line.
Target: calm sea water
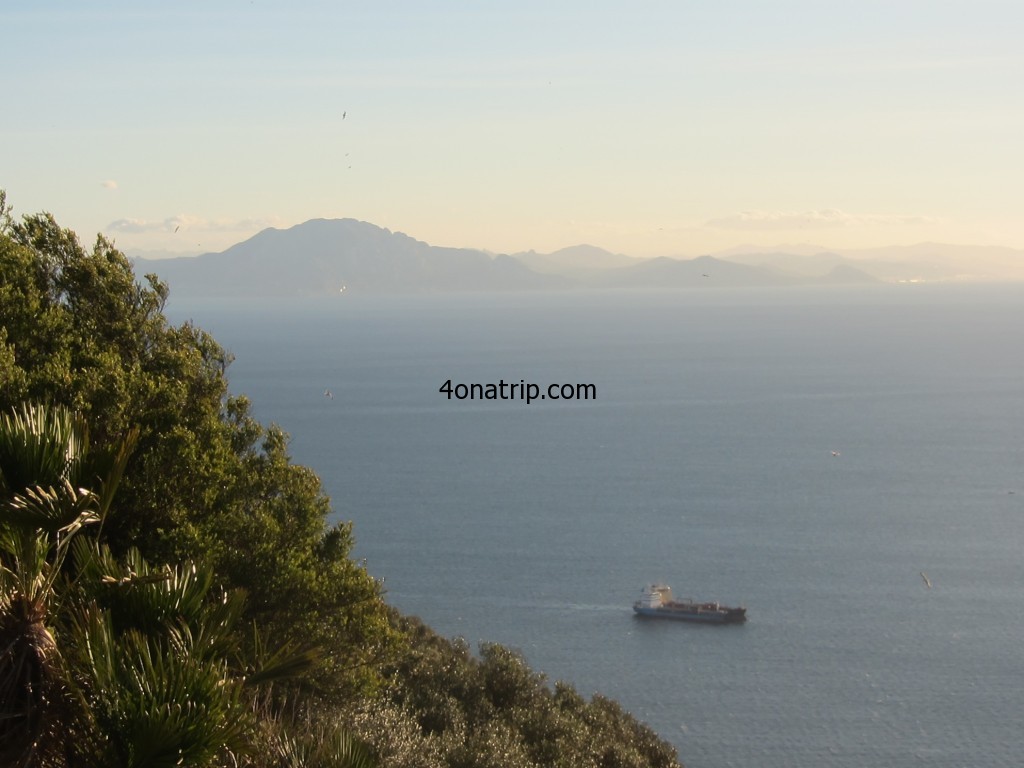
706	462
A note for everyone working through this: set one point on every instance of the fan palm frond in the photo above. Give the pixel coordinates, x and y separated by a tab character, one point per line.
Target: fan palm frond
62	509
154	706
44	462
321	747
41	445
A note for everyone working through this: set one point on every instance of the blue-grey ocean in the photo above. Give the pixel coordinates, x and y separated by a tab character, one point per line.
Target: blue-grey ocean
805	453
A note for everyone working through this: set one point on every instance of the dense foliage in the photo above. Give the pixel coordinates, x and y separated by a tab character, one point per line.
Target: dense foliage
108	661
205	482
207	613
446	707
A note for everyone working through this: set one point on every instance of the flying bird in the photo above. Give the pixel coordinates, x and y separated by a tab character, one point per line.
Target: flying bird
927	583
177	228
328	394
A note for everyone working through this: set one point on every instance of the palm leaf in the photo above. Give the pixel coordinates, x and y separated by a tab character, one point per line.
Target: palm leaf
60	509
153	599
45	458
40	445
288	661
156	707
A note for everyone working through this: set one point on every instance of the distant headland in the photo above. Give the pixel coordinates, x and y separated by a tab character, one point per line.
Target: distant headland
322	257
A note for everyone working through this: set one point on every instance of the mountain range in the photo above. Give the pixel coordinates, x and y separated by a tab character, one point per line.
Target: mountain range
337	256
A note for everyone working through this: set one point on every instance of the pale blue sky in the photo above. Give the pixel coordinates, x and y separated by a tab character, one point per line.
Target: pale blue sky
650	128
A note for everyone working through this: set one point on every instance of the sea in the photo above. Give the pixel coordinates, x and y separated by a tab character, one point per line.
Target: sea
847	463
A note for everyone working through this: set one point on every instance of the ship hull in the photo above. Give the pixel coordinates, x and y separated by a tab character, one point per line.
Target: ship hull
726	616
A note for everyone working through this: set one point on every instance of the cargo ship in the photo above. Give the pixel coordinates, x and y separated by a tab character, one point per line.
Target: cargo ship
656	601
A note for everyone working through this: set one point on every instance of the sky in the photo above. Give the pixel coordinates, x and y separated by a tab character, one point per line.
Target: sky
653	128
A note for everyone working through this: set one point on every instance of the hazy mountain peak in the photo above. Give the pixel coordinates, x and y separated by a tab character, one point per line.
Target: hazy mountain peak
335	256
573	259
332	256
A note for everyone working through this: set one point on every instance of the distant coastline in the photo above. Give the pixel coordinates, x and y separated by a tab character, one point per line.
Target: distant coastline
324	257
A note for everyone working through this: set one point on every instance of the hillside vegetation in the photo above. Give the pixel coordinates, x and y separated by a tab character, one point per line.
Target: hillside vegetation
172	593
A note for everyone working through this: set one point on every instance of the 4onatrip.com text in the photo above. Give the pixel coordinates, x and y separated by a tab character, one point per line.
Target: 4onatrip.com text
520	390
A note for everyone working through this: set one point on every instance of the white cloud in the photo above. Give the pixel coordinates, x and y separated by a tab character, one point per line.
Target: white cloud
825	218
133	226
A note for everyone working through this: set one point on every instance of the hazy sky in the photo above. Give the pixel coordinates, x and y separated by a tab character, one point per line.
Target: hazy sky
649	128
